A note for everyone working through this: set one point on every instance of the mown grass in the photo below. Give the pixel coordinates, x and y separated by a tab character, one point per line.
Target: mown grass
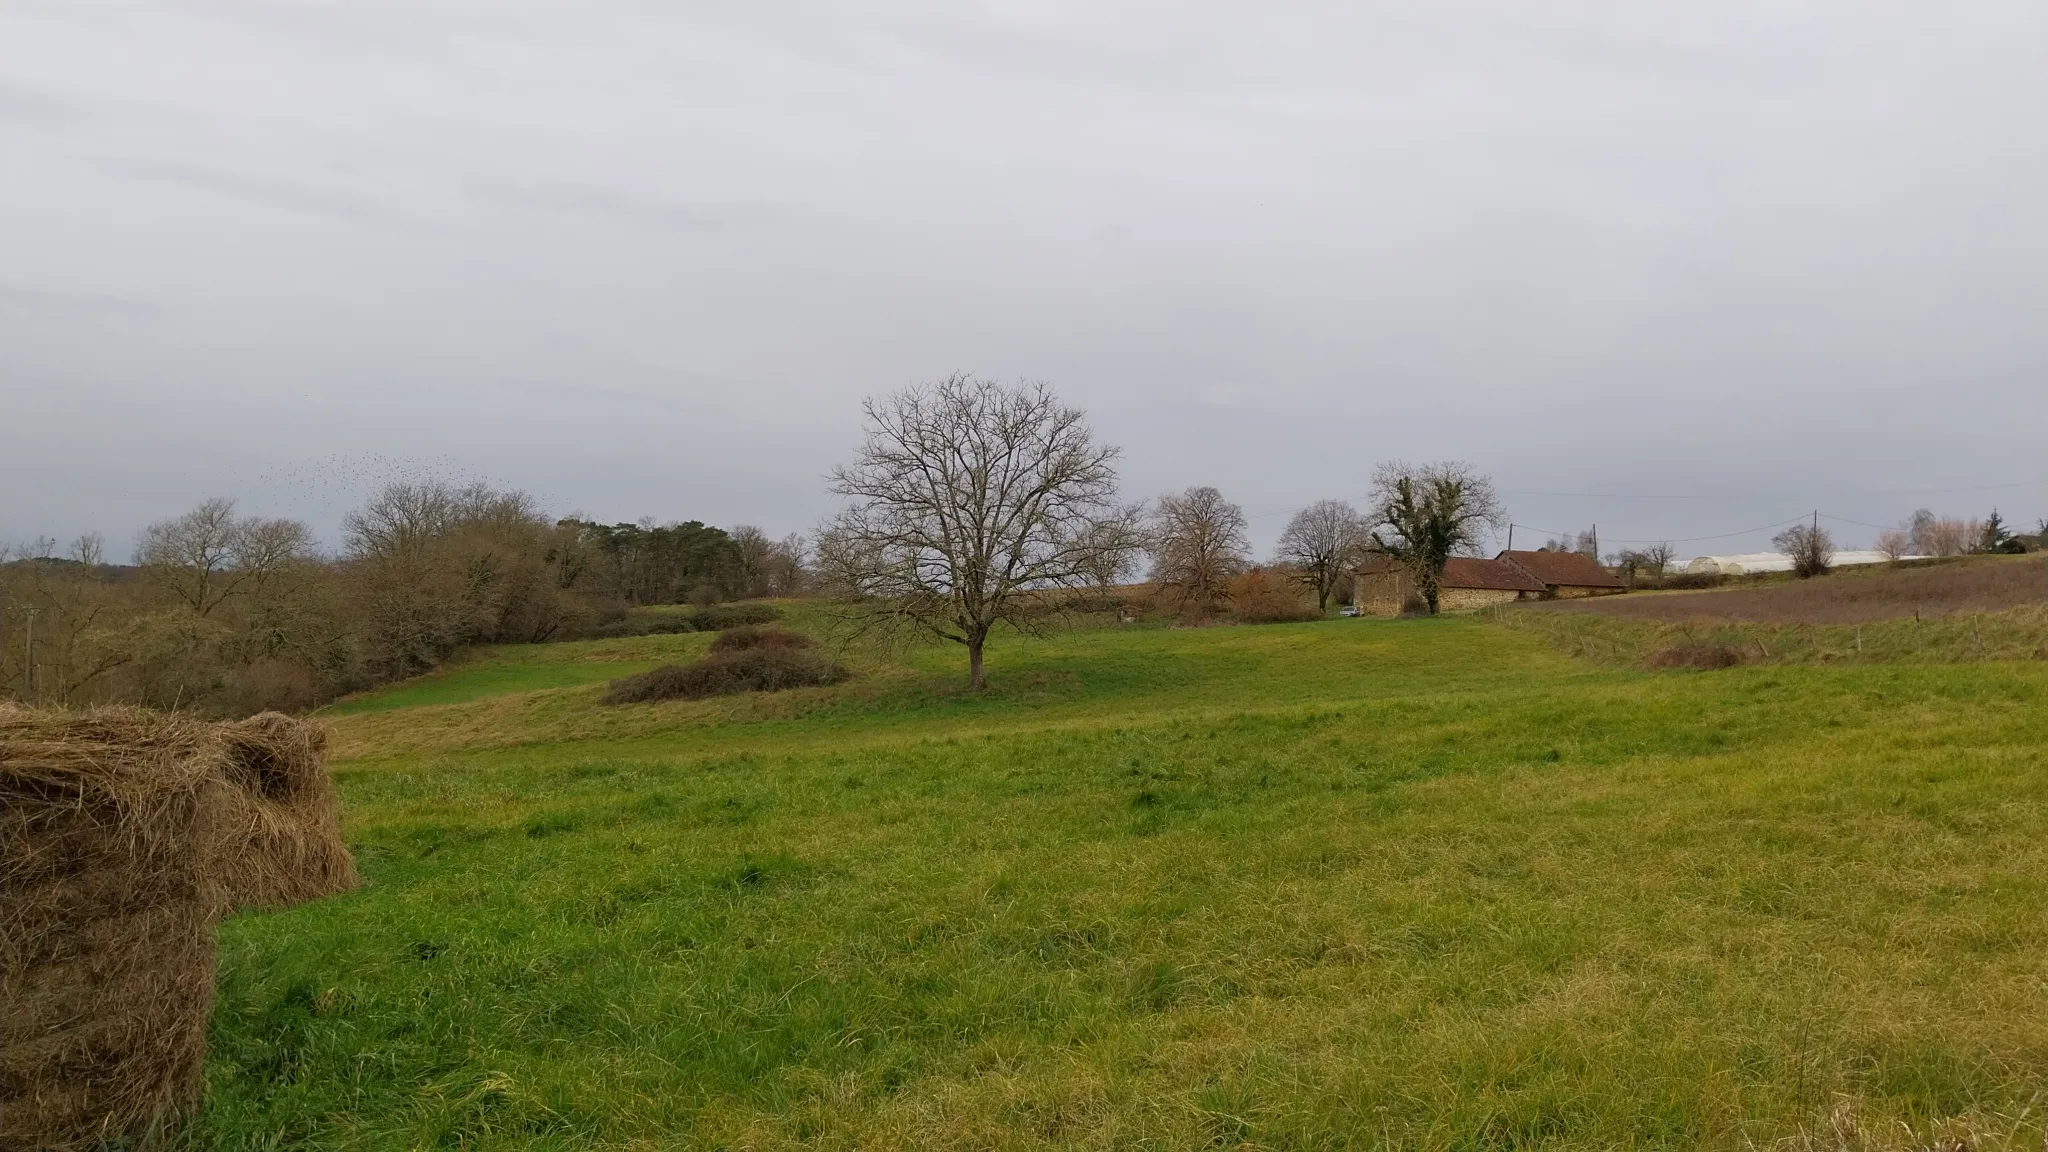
1347	884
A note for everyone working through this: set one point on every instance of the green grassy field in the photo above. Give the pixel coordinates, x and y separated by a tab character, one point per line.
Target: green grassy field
1974	637
1338	885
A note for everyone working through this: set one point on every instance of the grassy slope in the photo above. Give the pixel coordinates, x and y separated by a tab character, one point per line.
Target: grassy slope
2012	634
1325	885
522	668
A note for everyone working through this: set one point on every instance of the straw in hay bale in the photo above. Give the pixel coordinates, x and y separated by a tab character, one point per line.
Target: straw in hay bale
125	836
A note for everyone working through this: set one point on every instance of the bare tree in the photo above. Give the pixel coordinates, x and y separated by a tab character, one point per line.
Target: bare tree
1628	564
1811	548
90	549
1949	536
768	567
193	555
1585	543
1657	559
789	571
1197	543
756	555
433	566
210	554
1113	550
269	549
1320	543
1425	514
1894	543
1634	562
1918	527
971	504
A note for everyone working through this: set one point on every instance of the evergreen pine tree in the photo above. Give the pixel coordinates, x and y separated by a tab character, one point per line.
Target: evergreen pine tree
1996	537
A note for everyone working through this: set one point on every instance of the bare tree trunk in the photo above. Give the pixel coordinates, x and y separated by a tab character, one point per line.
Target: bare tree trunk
975	679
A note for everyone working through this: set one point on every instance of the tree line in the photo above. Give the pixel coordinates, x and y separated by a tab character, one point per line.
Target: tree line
970	505
973	505
228	613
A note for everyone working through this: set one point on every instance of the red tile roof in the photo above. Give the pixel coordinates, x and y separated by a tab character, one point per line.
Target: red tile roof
1498	575
1570	569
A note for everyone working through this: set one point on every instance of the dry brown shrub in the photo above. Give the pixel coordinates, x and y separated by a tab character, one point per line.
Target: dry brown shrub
272	685
1263	596
728	673
1948	536
745	638
718	617
125	836
1695	655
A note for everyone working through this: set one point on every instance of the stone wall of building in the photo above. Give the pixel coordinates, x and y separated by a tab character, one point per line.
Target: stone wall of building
1580	591
1468	599
1380	593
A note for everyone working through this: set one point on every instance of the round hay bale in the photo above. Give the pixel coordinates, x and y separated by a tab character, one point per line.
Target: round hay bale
125	836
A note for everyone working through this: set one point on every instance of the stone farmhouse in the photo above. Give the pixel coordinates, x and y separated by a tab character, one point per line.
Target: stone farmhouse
1382	586
1566	575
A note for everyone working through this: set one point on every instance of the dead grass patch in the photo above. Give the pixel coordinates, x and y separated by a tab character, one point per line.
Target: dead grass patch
1928	590
751	669
1694	655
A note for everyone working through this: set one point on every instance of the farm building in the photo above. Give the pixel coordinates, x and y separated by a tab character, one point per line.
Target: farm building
1566	575
1383	587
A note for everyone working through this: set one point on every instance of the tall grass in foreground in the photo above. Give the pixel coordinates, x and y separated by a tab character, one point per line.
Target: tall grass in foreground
1417	884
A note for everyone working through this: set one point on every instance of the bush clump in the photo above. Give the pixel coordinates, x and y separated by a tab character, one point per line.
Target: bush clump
748	637
753	669
663	624
1262	596
719	617
716	618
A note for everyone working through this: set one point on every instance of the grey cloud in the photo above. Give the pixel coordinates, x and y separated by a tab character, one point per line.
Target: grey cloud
39	107
298	197
1596	248
41	301
608	204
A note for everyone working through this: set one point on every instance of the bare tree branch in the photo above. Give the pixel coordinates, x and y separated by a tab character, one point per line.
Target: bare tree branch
1320	544
969	503
1197	544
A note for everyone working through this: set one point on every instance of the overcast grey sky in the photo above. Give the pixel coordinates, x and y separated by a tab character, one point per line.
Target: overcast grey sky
644	259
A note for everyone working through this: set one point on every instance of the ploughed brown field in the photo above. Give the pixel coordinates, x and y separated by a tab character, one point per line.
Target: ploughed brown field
1930	589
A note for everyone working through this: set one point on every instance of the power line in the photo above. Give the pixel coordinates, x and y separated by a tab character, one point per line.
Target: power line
1858	523
1672	539
1773	495
1715	496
